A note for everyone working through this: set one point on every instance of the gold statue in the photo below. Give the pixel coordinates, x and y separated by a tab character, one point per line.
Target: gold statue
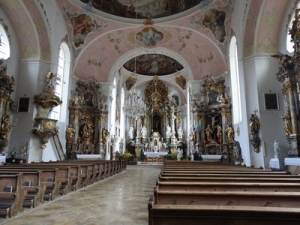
105	135
70	132
254	125
287	123
230	134
219	134
5	127
208	132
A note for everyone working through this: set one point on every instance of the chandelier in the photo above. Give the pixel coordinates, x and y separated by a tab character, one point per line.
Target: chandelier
135	106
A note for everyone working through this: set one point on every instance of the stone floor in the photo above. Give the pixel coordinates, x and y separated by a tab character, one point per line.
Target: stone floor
118	200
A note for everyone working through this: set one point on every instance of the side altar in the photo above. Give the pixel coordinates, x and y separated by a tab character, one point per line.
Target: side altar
212	132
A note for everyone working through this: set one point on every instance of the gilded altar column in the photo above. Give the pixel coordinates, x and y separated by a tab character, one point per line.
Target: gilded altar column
227	148
102	125
291	133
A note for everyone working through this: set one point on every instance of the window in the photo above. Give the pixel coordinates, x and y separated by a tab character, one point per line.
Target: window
63	69
4	44
235	82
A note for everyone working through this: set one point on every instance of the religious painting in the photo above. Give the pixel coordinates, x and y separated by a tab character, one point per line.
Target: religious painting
143	8
153	64
82	26
214	20
149	36
213	97
88	99
271	101
23	105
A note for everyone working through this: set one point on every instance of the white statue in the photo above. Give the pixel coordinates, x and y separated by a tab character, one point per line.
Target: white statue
144	132
276	149
179	154
130	132
180	133
168	131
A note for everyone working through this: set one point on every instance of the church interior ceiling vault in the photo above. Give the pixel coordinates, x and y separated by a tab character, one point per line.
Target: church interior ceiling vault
197	30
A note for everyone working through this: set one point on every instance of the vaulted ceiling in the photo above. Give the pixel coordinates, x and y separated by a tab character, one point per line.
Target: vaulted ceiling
150	37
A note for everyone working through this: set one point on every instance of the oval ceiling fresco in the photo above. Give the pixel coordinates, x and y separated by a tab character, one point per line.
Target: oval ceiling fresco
153	64
143	8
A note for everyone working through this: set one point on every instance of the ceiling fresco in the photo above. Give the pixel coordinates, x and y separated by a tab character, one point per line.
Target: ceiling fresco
153	64
144	8
195	40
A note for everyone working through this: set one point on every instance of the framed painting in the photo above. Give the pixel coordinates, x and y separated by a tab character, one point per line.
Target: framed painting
23	105
271	101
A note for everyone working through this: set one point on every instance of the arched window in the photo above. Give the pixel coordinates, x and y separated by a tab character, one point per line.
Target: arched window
235	82
289	43
61	86
4	44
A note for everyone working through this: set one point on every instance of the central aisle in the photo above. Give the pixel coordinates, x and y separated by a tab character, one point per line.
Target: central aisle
118	200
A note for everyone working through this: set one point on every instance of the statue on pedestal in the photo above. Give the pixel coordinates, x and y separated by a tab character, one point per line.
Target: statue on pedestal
168	131
287	123
144	132
208	132
219	134
70	132
130	132
230	134
180	133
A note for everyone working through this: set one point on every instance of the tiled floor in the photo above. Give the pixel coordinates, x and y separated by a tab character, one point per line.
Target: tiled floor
118	200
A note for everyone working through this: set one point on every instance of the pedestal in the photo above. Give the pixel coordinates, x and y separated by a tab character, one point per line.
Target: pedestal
275	164
292	165
2	159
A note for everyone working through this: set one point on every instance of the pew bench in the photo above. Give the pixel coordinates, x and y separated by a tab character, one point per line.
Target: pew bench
221	215
236	198
228	186
12	194
227	178
32	183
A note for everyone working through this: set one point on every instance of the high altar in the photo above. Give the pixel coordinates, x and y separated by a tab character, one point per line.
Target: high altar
160	127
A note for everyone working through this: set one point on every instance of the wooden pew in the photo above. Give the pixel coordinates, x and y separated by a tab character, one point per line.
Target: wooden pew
12	194
229	186
221	215
49	179
32	183
228	179
218	194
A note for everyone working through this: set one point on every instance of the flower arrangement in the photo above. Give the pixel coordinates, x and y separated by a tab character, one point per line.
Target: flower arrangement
126	156
19	151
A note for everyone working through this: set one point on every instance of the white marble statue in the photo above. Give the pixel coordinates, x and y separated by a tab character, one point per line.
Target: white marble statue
179	154
180	133
144	132
168	131
130	132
